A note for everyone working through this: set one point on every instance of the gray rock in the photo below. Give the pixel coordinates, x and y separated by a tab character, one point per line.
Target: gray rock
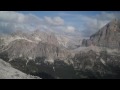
49	51
108	36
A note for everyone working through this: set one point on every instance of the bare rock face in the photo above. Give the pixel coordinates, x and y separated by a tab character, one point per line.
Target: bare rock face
18	48
48	50
44	37
35	44
108	36
1	43
30	50
86	42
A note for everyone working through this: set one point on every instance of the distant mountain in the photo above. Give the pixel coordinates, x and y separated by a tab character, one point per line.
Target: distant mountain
32	45
108	36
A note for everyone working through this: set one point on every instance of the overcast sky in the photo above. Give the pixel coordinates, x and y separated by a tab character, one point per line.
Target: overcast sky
71	22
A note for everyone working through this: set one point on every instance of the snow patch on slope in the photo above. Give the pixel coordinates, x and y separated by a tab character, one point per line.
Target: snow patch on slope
102	61
37	39
51	61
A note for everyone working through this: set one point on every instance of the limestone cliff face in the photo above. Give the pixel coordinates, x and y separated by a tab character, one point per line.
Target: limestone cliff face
28	49
44	37
18	48
48	50
108	36
35	44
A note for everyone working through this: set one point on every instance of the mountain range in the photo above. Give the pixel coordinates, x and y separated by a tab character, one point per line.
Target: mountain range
52	56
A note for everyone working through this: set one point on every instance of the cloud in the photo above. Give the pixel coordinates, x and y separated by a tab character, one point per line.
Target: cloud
70	29
107	15
15	17
11	21
91	24
71	23
54	20
9	16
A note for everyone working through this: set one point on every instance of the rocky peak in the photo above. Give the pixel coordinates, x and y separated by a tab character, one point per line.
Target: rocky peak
108	36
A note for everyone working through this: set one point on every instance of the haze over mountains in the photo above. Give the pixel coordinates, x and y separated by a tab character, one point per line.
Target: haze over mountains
53	55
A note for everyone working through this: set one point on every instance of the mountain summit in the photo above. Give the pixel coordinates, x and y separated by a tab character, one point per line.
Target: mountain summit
108	36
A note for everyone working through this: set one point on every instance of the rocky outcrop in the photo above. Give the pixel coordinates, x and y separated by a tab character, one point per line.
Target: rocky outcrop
86	42
108	36
1	43
44	37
